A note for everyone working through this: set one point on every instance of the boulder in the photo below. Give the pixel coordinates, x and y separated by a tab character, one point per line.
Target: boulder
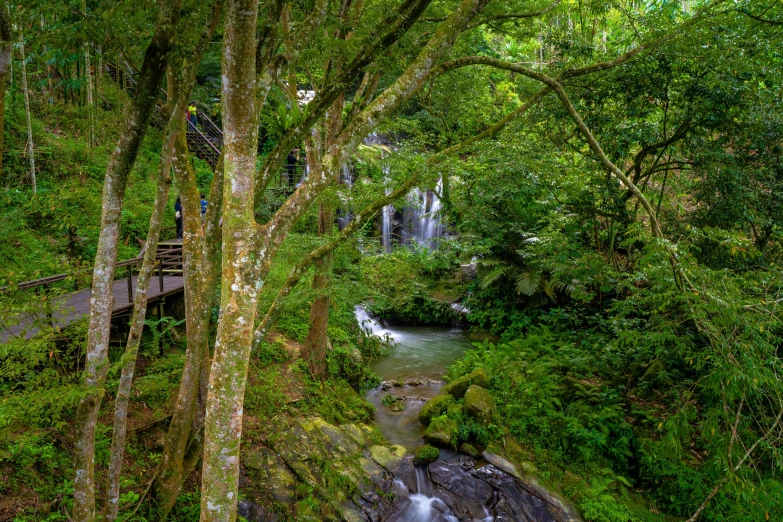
426	454
469	449
265	467
441	431
458	388
386	457
479	404
433	408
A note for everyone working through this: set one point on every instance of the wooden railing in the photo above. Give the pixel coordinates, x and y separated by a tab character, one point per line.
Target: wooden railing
169	261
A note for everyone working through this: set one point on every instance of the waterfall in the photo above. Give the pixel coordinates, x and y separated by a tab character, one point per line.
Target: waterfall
424	507
387	215
344	215
421	217
431	227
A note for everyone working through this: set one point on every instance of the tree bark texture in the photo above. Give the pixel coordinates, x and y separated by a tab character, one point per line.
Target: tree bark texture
101	297
172	472
239	290
137	322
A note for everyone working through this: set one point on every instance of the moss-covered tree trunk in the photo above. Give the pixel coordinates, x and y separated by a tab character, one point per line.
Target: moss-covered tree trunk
88	77
137	322
101	296
182	445
239	289
317	341
314	351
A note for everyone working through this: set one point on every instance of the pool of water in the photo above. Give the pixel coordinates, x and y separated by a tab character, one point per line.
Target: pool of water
418	362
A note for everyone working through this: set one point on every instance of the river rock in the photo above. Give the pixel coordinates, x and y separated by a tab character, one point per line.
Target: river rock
465	494
426	454
458	388
355	479
469	449
479	404
388	458
433	408
466	491
441	431
265	467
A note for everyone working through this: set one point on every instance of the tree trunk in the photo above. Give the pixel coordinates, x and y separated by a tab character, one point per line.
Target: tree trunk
201	246
101	296
6	54
239	289
314	351
172	470
88	76
137	323
30	146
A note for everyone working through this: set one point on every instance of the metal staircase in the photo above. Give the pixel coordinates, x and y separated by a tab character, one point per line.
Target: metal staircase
205	140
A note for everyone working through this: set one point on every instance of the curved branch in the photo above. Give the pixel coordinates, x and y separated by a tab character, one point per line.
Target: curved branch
759	18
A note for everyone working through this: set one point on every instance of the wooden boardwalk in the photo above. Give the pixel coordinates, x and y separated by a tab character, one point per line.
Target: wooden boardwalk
72	307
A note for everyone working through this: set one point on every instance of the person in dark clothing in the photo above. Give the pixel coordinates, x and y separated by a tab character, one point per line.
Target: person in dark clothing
203	209
290	166
178	217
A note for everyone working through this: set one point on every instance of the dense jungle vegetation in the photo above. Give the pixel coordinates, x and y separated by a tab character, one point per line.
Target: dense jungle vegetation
609	187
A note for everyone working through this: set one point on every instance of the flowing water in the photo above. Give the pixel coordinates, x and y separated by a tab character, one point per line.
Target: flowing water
416	365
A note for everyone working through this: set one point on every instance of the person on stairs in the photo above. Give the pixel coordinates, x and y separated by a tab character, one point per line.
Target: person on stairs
178	217
192	117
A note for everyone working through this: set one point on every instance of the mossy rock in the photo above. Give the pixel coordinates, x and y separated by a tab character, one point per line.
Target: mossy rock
268	472
385	457
479	404
458	388
426	454
455	410
433	408
441	432
469	449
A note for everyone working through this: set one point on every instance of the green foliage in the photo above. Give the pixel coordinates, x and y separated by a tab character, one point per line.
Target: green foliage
348	364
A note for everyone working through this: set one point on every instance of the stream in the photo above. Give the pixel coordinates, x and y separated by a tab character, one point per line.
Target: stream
413	372
456	487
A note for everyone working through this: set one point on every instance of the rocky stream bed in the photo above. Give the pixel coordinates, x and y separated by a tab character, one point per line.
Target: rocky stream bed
364	472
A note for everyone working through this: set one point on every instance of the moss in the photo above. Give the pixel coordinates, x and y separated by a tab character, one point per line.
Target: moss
458	388
469	449
455	410
385	457
426	454
479	404
434	407
442	432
